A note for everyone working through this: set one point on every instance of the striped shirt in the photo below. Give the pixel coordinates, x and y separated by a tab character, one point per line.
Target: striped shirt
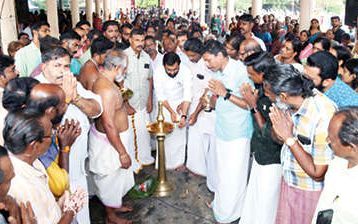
311	128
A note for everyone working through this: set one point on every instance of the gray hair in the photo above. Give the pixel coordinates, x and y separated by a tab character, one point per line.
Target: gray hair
115	58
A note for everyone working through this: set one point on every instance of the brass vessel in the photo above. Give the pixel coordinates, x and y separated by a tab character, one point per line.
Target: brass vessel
160	128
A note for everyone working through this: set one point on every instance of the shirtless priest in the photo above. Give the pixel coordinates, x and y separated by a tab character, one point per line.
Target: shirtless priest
108	140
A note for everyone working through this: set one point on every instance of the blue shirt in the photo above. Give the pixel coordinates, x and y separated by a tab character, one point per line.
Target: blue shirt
342	94
232	122
75	66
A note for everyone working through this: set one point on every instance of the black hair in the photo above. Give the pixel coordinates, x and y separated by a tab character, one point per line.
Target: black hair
150	26
326	44
20	130
5	61
92	33
48	42
70	35
3	153
126	25
37	26
326	62
54	54
195	30
137	32
193	44
109	23
352	66
21	34
214	47
83	22
346	36
349	130
169	21
16	93
235	41
342	53
168	32
171	58
284	78
182	33
335	17
306	43
246	18
101	45
149	38
260	61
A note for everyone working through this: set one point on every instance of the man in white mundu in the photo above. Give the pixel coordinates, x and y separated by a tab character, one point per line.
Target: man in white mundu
109	139
201	133
172	83
139	80
233	129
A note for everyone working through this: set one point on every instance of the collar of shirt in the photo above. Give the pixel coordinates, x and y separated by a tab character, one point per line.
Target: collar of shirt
26	170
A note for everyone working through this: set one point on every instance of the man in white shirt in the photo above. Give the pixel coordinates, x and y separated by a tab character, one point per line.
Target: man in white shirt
83	104
7	73
201	134
246	25
339	196
139	80
173	87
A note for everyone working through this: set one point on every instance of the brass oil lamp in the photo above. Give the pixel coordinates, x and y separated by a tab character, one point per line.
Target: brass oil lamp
160	128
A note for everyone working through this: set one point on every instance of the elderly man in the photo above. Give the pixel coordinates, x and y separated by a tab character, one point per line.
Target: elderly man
83	104
139	80
7	73
173	87
109	140
233	129
29	57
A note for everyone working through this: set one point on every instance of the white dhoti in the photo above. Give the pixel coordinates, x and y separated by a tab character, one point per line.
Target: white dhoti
263	193
174	143
140	148
112	182
232	165
201	139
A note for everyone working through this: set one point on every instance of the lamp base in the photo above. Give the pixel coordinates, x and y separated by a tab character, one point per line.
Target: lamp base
164	189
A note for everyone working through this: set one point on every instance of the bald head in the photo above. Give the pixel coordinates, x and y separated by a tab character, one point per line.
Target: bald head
47	100
248	47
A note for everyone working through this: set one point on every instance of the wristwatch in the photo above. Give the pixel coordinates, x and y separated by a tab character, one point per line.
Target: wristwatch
290	141
228	94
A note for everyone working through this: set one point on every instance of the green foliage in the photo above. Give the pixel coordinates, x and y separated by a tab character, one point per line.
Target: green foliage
146	3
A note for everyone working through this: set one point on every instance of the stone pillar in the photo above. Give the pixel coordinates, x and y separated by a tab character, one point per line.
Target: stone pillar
106	9
89	11
8	29
305	13
202	11
230	11
256	7
213	7
53	17
98	7
75	12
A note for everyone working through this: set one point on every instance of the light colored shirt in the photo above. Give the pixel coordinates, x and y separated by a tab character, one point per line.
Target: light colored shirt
259	41
232	121
158	61
3	113
30	184
85	57
139	72
79	151
177	88
340	192
342	94
311	122
27	59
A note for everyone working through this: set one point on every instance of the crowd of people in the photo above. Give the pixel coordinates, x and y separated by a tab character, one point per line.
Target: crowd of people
266	112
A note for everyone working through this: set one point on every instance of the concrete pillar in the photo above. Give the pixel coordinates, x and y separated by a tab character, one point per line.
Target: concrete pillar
202	11
106	9
98	7
213	7
52	19
230	11
256	7
8	29
75	12
306	10
89	10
